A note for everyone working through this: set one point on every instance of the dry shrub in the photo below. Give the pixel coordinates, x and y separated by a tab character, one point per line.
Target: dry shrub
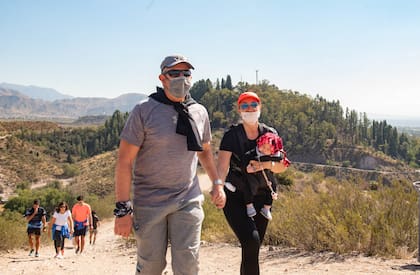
346	218
12	231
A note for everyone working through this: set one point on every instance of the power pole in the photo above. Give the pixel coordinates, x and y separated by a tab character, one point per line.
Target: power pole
256	77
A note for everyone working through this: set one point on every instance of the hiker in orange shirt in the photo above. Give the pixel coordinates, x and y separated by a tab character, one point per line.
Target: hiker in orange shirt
82	217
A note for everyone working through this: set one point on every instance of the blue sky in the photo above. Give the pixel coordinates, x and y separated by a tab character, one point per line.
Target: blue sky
364	53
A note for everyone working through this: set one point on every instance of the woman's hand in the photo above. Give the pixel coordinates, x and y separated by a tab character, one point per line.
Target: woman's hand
218	196
255	166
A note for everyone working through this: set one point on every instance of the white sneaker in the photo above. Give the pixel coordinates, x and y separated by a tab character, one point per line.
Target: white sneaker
59	256
266	213
250	211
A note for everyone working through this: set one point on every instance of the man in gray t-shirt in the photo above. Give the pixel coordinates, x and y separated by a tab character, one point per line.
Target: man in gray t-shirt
161	143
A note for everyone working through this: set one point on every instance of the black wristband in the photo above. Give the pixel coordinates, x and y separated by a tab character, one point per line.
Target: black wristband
123	208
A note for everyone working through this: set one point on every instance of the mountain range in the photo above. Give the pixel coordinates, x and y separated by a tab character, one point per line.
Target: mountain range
32	102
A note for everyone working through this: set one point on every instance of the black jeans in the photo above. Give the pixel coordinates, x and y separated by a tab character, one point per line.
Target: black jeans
249	231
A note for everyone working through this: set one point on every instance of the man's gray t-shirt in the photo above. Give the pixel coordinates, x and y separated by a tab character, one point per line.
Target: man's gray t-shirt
164	170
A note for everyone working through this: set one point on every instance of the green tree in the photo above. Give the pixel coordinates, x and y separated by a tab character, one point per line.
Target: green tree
228	84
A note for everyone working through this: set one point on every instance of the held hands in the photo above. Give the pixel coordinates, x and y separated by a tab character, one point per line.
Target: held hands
218	196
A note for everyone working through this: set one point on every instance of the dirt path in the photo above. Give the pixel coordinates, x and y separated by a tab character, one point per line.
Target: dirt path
111	255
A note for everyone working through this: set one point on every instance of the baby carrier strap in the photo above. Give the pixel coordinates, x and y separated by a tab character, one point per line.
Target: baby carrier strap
236	160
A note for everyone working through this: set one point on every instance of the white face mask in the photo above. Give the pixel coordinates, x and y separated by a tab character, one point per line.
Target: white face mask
250	117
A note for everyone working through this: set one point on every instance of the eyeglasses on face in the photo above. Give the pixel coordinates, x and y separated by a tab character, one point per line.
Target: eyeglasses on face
245	105
177	73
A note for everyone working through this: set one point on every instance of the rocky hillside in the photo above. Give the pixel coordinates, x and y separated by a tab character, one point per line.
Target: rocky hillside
23	163
96	175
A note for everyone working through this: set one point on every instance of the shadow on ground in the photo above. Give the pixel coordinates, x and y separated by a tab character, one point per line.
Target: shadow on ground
411	267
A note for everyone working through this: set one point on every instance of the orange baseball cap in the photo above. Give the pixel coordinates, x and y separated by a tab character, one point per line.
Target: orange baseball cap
247	95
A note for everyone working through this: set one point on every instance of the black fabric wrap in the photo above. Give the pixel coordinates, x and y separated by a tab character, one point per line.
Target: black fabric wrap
123	208
186	125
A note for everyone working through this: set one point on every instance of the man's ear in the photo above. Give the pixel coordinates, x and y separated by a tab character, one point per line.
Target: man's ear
161	77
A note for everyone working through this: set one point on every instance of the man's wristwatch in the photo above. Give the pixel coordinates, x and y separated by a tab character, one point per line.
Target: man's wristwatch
218	182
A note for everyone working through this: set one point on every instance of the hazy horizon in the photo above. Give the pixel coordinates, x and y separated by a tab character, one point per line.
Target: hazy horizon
398	120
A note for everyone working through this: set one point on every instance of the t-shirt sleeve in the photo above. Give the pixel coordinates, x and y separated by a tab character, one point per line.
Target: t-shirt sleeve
133	131
28	212
227	141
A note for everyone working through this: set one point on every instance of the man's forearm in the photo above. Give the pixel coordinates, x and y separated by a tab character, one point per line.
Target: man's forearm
28	218
123	182
207	161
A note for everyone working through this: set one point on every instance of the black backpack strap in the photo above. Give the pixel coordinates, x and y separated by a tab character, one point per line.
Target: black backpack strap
242	139
263	128
237	161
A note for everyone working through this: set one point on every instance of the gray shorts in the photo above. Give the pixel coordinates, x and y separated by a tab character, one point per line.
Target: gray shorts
178	224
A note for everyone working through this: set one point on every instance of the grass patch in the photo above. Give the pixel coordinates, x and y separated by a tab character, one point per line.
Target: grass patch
215	227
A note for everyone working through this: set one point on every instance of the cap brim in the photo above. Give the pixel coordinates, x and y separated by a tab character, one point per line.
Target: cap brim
178	62
249	97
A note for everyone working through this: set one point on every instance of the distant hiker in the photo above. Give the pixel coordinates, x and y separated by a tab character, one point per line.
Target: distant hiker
94	229
167	199
236	142
82	217
61	227
36	217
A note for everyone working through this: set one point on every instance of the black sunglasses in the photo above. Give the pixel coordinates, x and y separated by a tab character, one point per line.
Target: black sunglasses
177	73
245	106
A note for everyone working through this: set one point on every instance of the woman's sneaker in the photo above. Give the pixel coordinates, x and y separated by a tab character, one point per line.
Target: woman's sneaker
31	252
250	211
266	213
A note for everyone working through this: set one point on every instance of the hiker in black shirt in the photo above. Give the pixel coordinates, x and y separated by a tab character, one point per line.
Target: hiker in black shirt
94	229
238	140
36	217
269	148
